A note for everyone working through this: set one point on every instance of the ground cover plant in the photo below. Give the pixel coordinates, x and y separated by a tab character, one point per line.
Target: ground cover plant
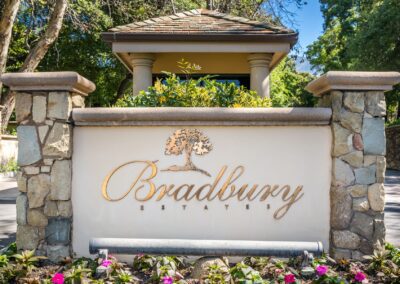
26	267
9	166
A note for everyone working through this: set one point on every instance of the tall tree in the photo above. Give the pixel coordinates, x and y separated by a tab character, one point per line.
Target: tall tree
359	35
36	54
328	52
9	10
376	46
376	42
50	35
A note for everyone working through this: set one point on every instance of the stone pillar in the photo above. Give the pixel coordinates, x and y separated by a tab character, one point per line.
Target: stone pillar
43	106
358	157
142	71
259	73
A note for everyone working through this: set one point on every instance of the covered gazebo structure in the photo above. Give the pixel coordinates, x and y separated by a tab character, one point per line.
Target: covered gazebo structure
235	48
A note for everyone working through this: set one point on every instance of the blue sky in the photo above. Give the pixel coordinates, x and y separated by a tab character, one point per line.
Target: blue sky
308	22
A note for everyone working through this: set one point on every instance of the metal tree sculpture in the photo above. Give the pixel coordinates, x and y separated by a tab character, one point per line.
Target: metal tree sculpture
187	141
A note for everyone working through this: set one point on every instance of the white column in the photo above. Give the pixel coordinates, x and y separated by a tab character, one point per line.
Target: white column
259	73
142	64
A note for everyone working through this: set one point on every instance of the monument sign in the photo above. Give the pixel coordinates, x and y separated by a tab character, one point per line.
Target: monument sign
238	183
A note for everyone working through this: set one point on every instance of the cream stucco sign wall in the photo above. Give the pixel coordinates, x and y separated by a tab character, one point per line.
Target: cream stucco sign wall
203	182
276	151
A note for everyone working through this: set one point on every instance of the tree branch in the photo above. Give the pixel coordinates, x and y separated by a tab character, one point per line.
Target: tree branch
122	87
53	29
173	6
36	55
6	24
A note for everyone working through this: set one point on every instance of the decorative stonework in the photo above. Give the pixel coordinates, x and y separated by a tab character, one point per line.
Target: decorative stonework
361	135
44	209
358	155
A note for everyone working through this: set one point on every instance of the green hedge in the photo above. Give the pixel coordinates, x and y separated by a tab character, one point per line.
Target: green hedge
202	92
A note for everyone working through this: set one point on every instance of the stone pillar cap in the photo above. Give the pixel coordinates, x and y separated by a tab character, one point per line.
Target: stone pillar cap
48	81
354	81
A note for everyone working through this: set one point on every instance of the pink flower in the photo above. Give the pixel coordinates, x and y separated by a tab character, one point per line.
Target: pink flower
359	277
321	270
167	280
57	278
278	271
106	263
289	278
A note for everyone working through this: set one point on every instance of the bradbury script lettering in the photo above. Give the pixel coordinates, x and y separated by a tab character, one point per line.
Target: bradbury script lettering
223	187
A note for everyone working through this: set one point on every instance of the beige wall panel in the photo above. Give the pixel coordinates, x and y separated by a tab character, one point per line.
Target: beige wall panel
270	155
230	63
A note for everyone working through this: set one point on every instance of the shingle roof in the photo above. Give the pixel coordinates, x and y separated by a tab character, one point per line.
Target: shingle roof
199	23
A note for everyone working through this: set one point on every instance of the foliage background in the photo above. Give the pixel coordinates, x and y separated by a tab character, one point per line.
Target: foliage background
360	35
81	49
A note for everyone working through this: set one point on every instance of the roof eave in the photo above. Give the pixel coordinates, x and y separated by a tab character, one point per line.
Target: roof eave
111	37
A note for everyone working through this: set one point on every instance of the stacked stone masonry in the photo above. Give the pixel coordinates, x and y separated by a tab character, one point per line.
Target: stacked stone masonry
44	209
358	155
393	147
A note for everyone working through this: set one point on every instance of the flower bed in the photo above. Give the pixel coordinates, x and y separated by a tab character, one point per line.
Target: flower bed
25	267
